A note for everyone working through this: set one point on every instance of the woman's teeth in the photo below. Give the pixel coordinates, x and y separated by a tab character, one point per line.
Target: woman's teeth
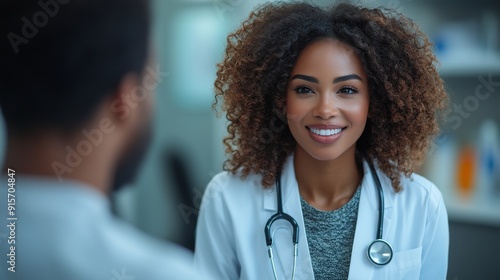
326	132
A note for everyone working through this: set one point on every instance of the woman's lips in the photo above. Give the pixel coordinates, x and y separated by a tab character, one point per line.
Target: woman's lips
325	134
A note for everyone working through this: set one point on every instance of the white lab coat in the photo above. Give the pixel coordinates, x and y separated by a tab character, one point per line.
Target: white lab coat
230	242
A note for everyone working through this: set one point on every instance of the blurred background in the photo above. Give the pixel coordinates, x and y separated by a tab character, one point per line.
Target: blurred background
187	150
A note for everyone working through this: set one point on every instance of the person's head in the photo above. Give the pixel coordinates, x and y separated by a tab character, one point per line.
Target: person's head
63	62
293	71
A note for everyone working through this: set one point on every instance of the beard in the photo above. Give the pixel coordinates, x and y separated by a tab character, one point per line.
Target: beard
130	163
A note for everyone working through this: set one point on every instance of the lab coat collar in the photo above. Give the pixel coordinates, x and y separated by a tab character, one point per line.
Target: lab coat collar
366	225
289	187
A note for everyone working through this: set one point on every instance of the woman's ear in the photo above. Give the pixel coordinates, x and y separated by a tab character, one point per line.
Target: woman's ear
281	114
370	113
285	118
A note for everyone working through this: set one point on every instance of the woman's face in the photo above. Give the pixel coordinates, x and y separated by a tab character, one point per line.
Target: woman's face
327	100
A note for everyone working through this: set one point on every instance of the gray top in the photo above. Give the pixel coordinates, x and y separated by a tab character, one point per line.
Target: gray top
330	235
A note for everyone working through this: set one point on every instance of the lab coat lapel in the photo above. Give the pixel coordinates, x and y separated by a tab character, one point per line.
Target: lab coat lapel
367	224
283	242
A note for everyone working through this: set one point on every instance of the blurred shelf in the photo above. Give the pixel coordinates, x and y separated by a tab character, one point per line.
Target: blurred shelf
474	212
470	67
460	4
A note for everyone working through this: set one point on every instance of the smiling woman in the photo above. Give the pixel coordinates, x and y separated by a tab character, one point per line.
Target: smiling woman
396	56
327	100
359	95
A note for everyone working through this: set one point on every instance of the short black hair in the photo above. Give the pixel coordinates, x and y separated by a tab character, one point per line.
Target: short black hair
61	58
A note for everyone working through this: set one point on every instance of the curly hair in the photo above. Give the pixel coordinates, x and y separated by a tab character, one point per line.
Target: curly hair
407	95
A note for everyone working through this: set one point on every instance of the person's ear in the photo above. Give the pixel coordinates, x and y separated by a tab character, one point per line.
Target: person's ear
124	101
280	113
370	113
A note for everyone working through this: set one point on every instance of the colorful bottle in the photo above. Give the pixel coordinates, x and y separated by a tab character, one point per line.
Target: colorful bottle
487	159
466	171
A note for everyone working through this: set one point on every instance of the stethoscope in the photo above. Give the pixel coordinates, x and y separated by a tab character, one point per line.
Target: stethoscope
379	251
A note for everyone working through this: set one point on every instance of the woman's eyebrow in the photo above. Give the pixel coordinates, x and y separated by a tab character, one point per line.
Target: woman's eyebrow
336	80
305	77
346	78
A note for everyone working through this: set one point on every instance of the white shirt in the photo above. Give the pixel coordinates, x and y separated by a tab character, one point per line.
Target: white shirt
66	231
230	241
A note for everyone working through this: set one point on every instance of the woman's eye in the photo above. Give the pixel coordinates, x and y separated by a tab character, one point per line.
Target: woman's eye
303	90
348	90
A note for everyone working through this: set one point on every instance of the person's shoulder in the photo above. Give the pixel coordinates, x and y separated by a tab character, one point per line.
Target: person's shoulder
158	259
421	189
227	183
419	182
175	263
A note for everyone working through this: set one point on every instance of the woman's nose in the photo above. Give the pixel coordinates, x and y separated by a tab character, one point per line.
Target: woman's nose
326	107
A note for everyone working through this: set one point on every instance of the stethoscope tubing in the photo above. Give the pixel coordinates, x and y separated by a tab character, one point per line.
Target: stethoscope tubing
295	227
381	202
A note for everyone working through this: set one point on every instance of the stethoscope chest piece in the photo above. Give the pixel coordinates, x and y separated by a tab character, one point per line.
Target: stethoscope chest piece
380	252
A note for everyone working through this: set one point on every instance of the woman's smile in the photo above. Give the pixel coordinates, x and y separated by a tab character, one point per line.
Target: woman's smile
325	134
